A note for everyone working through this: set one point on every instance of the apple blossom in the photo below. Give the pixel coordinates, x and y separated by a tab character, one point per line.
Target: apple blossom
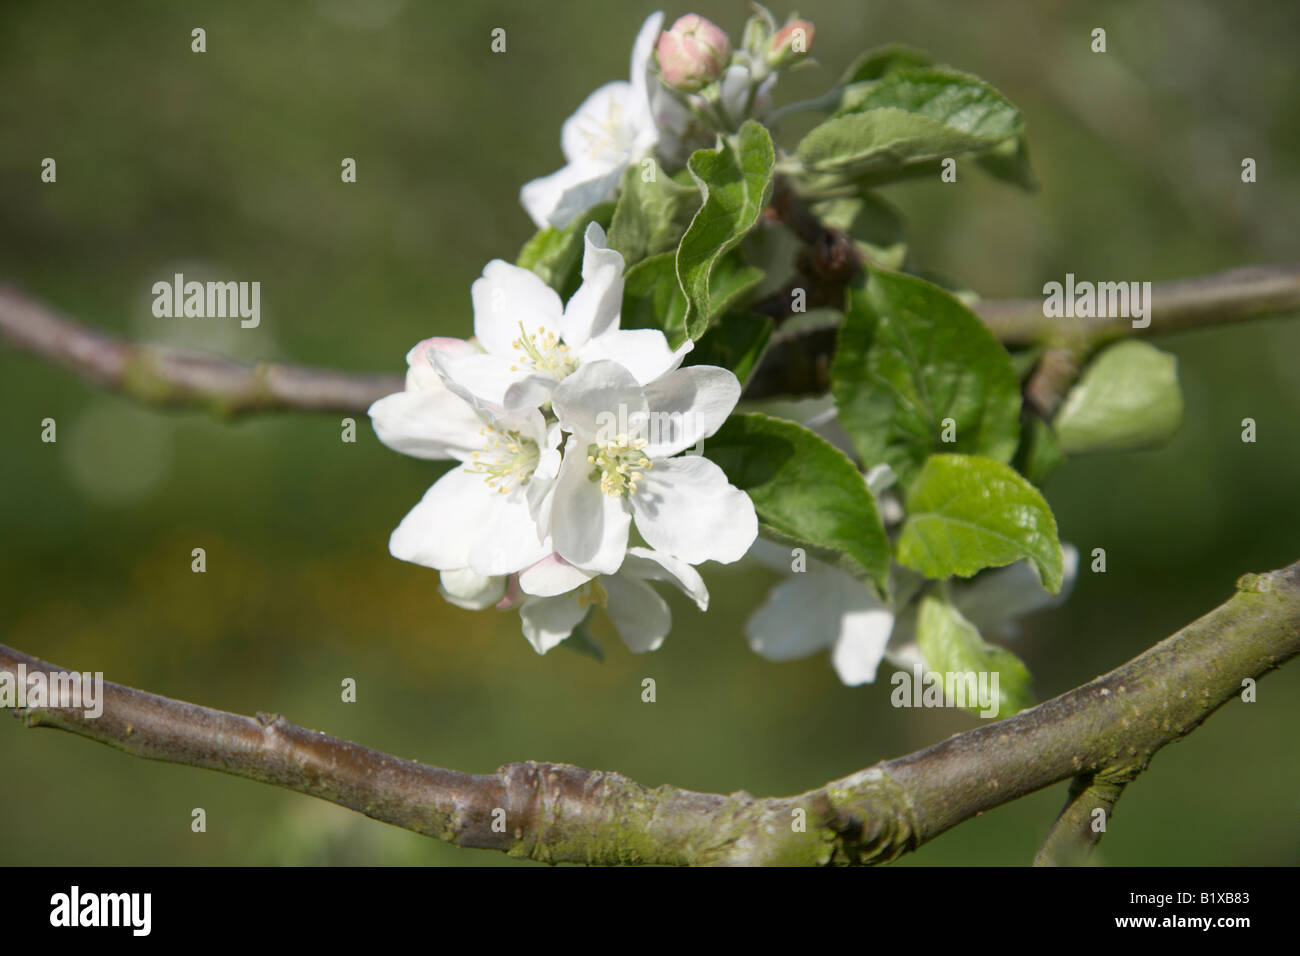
563	595
613	128
619	466
529	342
790	44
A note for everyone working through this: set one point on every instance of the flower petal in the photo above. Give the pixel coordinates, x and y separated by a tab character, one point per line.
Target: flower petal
801	616
509	540
688	405
429	423
556	200
481	378
439	531
507	297
588	528
548	620
601	132
473	592
420	371
643	352
642	51
864	634
600	400
656	566
551	576
996	598
594	308
685	507
640	615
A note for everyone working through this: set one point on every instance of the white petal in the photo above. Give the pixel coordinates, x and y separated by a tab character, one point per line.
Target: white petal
734	91
531	391
439	531
600	133
594	308
556	200
640	615
549	620
657	566
588	528
688	405
481	378
801	616
864	633
430	423
997	597
507	297
687	508
473	592
600	401
642	50
880	478
551	576
509	540
643	352
420	372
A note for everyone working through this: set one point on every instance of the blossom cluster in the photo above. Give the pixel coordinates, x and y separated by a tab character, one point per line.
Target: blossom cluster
569	432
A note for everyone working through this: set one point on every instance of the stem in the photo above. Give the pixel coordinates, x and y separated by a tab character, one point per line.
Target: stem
1105	731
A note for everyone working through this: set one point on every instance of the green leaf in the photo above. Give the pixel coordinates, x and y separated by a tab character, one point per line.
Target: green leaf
908	118
966	513
736	181
806	491
650	217
735	342
910	357
890	58
952	646
652	297
556	254
1009	161
874	225
1127	398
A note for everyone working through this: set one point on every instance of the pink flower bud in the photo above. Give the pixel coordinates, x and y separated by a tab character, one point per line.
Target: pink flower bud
693	53
790	43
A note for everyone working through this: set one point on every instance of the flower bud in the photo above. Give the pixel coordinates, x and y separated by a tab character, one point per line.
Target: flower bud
790	43
693	53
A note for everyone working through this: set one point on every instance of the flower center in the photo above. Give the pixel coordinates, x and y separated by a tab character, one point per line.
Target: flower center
545	353
618	465
592	593
507	460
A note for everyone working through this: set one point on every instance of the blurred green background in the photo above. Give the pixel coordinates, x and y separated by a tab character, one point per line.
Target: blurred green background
226	164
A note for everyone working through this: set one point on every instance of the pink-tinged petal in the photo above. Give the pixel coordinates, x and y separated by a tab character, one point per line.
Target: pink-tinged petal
420	371
551	576
439	531
431	423
643	352
471	591
507	299
594	308
639	614
685	507
687	406
548	620
600	400
657	566
588	528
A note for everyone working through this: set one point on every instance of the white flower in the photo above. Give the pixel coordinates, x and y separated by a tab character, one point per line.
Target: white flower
618	466
529	342
824	608
485	514
563	595
613	128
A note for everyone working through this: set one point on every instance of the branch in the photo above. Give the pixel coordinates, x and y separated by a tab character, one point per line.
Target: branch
796	363
162	375
1106	730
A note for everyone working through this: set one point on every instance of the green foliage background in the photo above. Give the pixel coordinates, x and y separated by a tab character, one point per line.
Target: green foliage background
226	165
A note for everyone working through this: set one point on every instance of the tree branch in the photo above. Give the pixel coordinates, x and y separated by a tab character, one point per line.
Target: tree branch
1107	731
796	362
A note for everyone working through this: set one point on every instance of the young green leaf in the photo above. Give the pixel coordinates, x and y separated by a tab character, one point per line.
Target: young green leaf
736	342
555	255
966	513
1039	453
650	217
1128	398
652	297
907	118
916	373
806	492
952	646
736	181
877	62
